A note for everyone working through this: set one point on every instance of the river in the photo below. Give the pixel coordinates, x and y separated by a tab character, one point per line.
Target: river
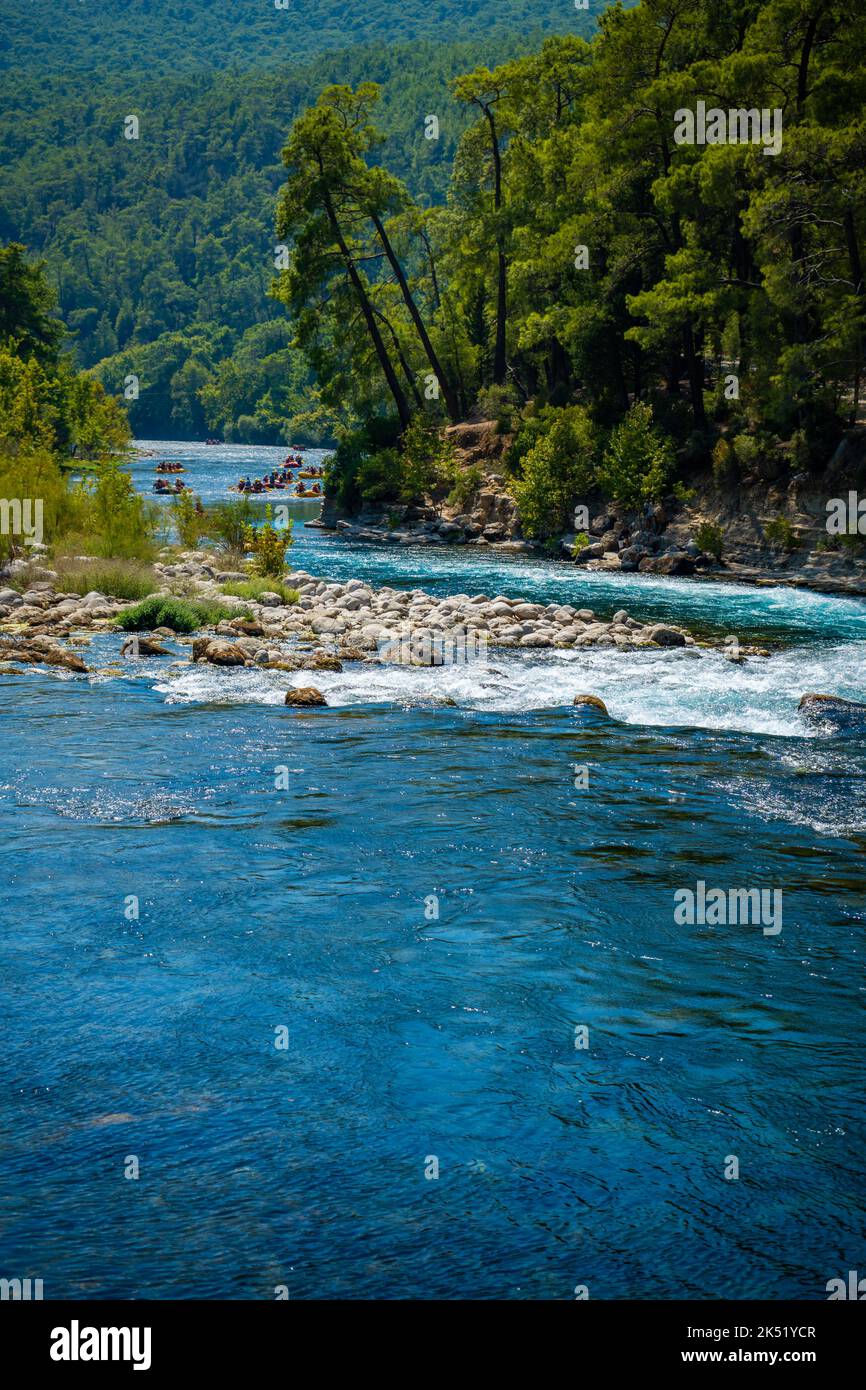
433	910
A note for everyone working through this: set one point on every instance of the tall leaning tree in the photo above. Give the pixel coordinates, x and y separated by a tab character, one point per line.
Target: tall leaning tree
318	213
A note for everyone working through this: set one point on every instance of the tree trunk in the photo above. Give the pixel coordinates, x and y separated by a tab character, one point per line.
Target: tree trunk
397	392
401	358
432	358
499	364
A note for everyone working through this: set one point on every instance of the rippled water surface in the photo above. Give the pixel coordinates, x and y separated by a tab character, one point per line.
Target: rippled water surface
431	907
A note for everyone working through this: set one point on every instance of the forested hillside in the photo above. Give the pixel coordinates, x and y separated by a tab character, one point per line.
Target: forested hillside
161	247
164	37
628	298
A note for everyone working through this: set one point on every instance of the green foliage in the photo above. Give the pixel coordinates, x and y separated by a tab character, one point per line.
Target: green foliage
705	261
725	464
427	460
228	522
268	546
254	588
556	451
782	533
123	523
371	464
581	541
190	524
102	515
379	476
190	210
27	307
710	538
466	481
637	464
121	579
500	404
747	451
180	615
164	37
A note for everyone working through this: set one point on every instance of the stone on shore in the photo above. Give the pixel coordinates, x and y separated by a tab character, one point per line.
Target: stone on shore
665	636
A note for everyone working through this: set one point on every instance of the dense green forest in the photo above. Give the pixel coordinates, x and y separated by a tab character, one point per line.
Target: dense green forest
164	37
626	300
162	248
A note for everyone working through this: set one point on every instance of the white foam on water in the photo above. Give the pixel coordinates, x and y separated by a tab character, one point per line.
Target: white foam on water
679	687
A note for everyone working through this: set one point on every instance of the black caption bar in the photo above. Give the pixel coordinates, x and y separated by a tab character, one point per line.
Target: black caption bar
145	1339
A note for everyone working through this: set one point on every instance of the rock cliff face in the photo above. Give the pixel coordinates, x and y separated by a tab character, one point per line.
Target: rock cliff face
770	524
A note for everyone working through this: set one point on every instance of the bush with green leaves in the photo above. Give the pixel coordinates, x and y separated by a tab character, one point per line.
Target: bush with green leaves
500	404
352	476
179	614
725	466
745	448
710	538
555	451
426	460
782	533
639	460
268	545
191	525
466	481
228	522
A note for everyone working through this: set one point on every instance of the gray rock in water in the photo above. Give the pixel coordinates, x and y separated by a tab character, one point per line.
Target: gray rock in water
666	636
833	710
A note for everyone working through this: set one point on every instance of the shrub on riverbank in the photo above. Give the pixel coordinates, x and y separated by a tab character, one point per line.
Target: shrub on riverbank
268	546
191	525
254	587
178	614
638	462
710	538
228	523
101	515
555	452
55	424
374	464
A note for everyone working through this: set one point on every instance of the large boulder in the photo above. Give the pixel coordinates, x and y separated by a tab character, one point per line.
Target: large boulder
41	651
677	563
217	652
833	710
665	636
589	552
305	695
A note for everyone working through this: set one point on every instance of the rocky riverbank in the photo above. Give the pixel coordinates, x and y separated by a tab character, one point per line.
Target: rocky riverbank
330	623
661	538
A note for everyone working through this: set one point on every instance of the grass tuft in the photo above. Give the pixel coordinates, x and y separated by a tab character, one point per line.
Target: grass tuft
254	587
124	579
